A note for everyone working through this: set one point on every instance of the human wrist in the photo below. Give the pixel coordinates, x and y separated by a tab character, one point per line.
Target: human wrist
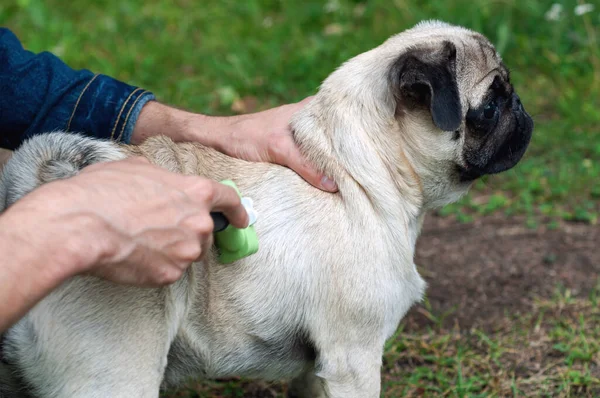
159	119
182	126
211	131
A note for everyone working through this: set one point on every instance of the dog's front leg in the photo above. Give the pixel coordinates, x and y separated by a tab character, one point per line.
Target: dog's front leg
350	372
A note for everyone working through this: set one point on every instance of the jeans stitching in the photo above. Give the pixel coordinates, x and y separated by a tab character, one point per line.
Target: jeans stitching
78	100
112	134
129	113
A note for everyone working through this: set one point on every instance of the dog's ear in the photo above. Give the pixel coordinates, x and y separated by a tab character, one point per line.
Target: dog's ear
427	77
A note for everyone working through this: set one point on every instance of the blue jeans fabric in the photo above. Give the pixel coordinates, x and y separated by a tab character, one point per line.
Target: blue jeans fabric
39	93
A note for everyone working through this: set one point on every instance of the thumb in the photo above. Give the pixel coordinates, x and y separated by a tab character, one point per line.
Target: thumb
306	170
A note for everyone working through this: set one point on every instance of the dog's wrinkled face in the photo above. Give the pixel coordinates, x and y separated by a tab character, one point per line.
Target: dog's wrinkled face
497	128
458	77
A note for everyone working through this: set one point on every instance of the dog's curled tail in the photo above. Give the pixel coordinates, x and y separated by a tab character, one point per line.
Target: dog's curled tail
48	157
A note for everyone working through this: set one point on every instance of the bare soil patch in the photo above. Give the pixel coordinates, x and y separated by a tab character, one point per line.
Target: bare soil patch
478	273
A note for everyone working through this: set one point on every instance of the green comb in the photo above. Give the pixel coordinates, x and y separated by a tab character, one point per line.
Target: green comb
234	243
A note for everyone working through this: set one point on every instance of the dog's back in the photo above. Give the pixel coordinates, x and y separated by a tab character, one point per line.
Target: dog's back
48	157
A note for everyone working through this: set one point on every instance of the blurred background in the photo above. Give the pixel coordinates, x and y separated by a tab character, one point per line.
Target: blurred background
512	268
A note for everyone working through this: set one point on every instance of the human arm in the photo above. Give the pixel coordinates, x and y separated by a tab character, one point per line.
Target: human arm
257	137
126	221
40	93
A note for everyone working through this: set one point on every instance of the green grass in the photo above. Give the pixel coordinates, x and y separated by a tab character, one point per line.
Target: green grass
551	352
219	57
223	57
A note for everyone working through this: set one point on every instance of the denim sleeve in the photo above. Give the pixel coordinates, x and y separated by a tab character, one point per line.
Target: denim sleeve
39	93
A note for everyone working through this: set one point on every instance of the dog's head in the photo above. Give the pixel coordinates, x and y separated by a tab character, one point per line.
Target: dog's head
437	97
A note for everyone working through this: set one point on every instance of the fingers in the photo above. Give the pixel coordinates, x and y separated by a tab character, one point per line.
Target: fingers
157	258
229	203
164	256
219	197
300	165
283	151
141	266
183	245
149	269
202	228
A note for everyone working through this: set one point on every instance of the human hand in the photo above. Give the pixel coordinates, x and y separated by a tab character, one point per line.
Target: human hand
257	137
125	221
266	137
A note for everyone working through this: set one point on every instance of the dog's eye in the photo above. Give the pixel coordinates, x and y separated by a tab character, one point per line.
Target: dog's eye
490	109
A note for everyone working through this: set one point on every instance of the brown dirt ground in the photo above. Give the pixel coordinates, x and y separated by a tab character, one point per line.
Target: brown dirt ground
479	272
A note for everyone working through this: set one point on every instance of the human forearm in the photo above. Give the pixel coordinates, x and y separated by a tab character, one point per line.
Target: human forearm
126	221
181	126
35	259
258	137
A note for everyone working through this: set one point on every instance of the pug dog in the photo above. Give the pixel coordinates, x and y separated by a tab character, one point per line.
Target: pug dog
403	129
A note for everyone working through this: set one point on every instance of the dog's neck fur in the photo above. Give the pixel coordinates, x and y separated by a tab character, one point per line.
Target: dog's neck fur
386	159
372	171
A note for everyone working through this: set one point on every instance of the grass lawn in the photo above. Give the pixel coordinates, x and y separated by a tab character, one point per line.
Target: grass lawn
225	57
